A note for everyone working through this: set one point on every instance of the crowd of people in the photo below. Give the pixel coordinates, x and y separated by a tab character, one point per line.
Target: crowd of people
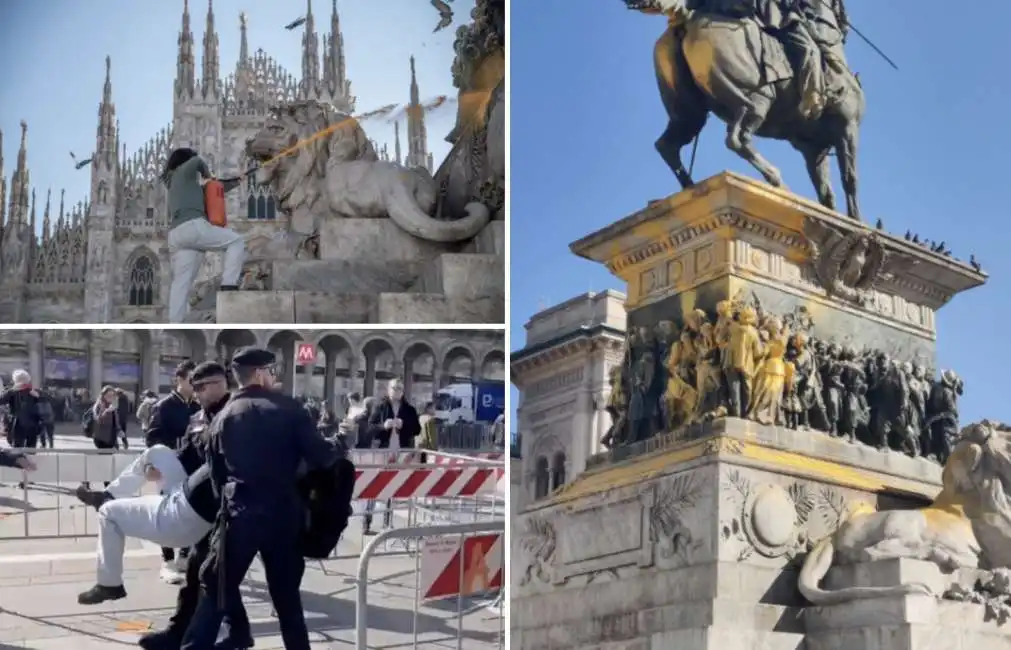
241	471
234	461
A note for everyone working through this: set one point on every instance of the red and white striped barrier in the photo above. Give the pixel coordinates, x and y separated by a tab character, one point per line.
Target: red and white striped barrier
451	568
407	483
501	483
456	459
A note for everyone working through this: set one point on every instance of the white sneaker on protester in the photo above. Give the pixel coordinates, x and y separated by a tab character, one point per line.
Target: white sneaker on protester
170	574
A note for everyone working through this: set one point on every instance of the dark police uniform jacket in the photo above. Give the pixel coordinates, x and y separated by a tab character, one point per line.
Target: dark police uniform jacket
258	443
169	419
192	454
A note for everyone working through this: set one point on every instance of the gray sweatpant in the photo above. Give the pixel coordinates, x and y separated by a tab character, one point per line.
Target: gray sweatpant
167	520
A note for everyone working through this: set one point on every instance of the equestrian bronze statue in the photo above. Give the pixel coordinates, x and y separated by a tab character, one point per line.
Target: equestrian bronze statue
772	68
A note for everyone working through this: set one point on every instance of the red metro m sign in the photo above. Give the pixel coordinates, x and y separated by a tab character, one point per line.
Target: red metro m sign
305	353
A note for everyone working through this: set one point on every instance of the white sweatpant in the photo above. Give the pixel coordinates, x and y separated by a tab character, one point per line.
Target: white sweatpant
187	244
132	479
167	521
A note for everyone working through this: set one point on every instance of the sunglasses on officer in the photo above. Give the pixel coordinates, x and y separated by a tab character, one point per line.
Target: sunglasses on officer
200	386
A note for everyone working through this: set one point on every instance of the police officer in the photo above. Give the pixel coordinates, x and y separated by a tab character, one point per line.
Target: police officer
256	446
210	386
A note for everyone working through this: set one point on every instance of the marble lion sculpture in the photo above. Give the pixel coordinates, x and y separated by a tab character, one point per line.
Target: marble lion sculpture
335	172
967	525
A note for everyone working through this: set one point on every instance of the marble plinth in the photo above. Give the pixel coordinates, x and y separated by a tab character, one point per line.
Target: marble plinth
695	543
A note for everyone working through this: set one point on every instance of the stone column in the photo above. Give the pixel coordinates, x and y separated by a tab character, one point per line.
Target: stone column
583	422
95	360
308	374
288	376
398	371
353	370
369	385
603	422
329	379
407	373
36	355
152	366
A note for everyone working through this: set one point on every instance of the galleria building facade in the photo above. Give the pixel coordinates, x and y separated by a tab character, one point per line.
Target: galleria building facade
117	236
66	362
562	377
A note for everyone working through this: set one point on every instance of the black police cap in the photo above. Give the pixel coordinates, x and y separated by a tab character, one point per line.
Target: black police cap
253	358
207	370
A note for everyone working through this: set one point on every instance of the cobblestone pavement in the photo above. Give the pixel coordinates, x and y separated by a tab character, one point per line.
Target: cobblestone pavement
47	556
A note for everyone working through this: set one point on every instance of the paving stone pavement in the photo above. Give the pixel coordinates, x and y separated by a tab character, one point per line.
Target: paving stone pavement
41	575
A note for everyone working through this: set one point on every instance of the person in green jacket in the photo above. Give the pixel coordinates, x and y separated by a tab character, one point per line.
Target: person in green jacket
191	235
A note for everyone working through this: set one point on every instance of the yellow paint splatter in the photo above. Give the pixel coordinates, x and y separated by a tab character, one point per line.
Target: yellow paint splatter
134	626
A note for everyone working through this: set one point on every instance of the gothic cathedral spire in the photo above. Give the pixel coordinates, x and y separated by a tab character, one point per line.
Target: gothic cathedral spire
310	55
3	188
417	135
211	60
185	64
106	149
101	210
18	211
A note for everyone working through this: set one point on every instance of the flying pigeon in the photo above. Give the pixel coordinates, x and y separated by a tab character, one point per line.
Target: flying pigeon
445	15
295	23
80	164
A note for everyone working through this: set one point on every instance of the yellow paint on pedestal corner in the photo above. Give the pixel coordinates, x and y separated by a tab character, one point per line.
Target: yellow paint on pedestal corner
648	466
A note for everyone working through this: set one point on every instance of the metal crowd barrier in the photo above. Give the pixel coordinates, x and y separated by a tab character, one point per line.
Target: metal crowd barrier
42	505
396	486
399	489
466	436
458	532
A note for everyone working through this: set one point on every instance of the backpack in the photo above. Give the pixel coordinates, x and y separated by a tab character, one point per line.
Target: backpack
144	413
88	423
327	496
46	415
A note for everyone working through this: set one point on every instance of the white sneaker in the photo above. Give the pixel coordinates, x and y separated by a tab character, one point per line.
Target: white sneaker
169	573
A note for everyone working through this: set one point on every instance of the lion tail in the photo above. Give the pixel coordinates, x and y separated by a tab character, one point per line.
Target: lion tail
816	566
405	212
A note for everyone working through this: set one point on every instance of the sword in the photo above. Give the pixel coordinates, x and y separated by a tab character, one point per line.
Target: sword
861	35
871	44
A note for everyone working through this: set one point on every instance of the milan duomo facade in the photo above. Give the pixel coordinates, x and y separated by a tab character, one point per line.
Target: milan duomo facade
105	259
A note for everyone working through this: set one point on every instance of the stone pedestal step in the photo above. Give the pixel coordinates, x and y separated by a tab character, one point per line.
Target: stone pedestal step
907	637
449	274
377	240
491	240
305	307
460	274
347	276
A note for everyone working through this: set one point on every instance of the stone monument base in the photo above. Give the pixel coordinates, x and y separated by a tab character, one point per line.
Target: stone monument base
916	622
696	544
370	271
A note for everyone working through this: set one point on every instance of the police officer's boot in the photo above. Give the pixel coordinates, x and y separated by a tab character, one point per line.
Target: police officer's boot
171	639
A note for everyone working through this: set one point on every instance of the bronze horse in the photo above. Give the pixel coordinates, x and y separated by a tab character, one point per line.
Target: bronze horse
704	64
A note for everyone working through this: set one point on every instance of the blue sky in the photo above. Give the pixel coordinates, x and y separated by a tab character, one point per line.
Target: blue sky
585	114
54	53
